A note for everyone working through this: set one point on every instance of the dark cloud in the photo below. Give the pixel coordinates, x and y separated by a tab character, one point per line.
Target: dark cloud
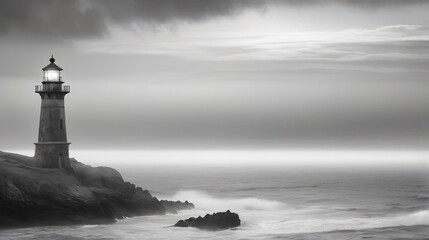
54	19
50	19
78	19
164	11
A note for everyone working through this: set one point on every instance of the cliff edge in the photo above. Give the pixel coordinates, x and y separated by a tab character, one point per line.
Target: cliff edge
32	196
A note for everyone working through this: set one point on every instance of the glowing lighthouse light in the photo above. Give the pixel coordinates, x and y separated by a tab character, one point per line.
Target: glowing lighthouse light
51	73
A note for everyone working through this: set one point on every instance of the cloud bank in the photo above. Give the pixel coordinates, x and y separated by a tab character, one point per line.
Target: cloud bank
385	49
88	19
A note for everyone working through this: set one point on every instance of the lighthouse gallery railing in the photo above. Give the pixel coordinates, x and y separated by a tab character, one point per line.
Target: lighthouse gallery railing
43	88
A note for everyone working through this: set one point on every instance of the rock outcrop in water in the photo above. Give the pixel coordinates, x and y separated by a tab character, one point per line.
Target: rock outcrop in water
215	222
31	196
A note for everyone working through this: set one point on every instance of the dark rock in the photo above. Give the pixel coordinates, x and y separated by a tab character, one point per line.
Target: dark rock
217	221
174	206
181	223
31	196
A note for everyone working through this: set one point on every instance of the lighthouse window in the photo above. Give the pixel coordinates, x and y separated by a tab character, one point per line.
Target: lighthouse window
60	161
61	124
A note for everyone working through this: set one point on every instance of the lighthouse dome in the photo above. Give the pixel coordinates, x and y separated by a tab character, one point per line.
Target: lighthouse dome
52	65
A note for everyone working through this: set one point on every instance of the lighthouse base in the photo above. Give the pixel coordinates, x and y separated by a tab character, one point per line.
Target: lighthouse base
52	155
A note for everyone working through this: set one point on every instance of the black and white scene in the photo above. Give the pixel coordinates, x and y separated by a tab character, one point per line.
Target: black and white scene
214	119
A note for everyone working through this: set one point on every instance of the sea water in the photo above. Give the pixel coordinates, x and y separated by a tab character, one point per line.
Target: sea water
273	202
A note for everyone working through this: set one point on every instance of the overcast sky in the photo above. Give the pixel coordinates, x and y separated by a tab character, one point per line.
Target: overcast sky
218	74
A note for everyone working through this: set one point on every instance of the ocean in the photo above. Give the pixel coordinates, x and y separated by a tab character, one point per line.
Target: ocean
273	202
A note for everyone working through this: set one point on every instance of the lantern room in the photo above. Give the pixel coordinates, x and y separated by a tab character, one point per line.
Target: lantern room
52	73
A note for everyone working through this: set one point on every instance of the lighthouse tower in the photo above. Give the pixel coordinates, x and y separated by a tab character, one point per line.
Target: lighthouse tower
52	148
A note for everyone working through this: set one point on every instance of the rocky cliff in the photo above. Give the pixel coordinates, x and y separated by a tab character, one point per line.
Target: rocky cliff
31	196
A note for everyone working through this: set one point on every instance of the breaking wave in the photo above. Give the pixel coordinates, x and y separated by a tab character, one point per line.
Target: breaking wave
279	218
416	218
205	201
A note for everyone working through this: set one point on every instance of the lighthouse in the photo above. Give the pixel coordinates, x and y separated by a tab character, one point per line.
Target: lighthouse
52	148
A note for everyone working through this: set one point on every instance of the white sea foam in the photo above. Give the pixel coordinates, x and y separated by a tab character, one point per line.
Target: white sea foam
276	217
416	218
204	201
